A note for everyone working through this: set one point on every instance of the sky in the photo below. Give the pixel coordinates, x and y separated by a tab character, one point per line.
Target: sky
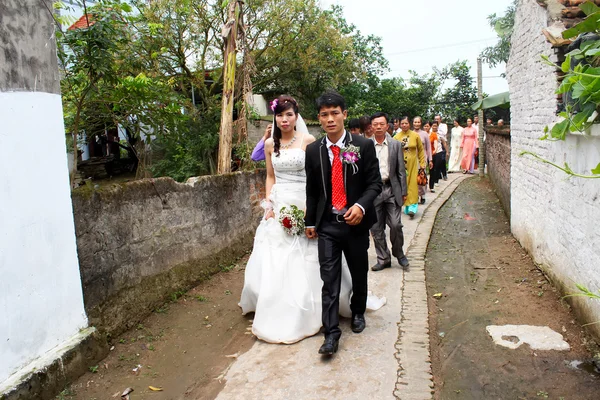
419	34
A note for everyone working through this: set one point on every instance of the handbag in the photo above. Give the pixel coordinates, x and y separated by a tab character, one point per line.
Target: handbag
421	178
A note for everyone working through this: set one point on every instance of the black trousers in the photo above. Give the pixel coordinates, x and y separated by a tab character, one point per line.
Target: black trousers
443	169
336	238
435	174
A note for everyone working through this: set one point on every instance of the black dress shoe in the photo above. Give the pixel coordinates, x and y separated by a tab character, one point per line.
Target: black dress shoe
379	267
403	261
329	347
358	323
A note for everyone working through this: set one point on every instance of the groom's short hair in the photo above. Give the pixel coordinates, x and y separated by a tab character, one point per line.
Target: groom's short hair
331	99
379	115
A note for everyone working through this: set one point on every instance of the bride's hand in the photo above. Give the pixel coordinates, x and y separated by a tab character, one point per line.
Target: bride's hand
269	214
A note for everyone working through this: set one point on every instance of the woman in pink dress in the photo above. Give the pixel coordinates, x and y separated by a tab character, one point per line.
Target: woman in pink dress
470	143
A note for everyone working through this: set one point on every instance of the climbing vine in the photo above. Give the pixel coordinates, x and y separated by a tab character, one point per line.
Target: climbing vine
580	85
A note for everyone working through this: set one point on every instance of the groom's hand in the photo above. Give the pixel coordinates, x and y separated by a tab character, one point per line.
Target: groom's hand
354	215
310	233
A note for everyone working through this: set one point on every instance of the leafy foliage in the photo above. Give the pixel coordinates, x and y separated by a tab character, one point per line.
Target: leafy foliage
503	25
456	101
303	50
420	95
580	85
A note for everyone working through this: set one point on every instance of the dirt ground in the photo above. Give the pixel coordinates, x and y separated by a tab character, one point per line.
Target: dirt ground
486	278
184	347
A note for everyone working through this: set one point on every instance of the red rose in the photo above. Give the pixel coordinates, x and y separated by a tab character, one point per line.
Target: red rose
287	223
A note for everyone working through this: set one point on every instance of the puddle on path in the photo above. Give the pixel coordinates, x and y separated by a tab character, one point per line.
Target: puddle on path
589	366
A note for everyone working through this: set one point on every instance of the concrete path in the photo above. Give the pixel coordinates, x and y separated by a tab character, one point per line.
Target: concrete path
390	359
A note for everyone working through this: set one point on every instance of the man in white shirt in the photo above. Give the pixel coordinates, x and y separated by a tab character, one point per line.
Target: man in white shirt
388	204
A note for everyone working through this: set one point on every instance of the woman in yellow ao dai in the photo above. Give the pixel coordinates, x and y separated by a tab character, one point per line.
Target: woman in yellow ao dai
414	159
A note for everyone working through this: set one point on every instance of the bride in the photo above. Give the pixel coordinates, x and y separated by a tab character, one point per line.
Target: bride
282	283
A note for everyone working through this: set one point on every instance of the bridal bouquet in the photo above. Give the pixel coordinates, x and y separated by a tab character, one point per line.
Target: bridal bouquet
292	220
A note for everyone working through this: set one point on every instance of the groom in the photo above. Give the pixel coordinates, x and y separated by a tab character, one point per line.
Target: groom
339	211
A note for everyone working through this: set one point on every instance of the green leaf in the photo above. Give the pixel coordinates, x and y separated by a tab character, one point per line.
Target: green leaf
592	52
596	171
566	65
126	7
590	24
578	89
589	8
559	131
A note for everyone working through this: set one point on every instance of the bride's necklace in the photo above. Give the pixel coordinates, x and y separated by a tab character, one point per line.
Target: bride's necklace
286	146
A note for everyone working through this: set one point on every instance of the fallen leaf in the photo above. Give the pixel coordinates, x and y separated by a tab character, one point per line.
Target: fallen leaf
155	389
438	295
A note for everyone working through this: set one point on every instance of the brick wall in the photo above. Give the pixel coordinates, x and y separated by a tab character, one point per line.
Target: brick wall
497	150
141	241
553	216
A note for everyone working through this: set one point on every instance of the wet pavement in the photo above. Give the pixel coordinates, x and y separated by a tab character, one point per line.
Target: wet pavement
478	276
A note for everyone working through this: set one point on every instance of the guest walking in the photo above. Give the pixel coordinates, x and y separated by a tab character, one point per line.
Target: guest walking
417	123
354	126
388	205
414	159
365	126
435	171
442	135
455	149
469	143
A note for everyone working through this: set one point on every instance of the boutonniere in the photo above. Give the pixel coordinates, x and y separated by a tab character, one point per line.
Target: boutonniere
350	156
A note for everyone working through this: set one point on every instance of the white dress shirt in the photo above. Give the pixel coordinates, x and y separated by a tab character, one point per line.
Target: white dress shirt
383	152
340	143
442	132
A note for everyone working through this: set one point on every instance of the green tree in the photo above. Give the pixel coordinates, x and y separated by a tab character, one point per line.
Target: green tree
456	101
503	25
303	50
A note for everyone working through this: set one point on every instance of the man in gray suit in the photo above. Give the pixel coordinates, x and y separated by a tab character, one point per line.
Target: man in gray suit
388	205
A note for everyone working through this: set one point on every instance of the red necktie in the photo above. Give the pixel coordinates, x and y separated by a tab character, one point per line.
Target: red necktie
338	193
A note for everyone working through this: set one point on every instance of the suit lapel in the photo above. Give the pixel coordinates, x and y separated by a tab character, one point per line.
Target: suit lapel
347	142
325	166
391	158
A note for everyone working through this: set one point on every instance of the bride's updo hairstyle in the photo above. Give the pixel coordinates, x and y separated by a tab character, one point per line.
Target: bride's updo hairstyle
282	103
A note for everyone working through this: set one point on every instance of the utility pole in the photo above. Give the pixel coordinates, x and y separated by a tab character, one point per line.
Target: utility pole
229	33
481	123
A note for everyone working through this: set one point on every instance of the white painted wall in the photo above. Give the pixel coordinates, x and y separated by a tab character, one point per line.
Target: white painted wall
260	104
41	302
553	216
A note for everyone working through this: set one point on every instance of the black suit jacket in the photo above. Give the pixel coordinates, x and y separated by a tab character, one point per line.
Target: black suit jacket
362	187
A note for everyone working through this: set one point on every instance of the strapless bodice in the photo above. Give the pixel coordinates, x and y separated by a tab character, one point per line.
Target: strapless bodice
289	166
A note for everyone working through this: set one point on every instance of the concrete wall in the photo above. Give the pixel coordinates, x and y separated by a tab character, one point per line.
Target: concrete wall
497	150
553	216
140	242
41	300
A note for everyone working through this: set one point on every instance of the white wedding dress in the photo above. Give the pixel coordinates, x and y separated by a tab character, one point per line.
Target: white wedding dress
282	279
